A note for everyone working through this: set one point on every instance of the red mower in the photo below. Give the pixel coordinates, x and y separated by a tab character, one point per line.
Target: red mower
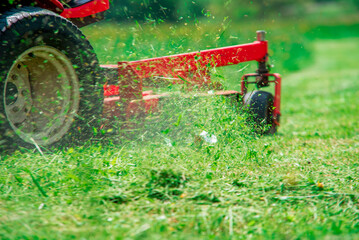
51	84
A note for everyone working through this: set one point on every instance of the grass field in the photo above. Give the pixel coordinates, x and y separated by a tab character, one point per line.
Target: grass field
302	183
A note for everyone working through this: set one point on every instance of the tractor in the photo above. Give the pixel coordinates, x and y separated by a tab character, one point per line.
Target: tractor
53	90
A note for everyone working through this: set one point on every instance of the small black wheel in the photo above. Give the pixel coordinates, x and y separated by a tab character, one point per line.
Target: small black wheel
260	108
50	92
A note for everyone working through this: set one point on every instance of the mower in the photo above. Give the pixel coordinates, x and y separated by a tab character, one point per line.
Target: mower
53	90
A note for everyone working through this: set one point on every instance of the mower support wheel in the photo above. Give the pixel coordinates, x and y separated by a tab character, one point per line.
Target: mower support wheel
260	108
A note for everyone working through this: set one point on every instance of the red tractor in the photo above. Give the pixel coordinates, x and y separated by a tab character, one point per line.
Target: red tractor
52	87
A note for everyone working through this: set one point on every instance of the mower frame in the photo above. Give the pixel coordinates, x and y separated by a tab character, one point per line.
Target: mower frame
127	98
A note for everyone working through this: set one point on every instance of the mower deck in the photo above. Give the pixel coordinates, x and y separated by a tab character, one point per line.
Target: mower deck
127	98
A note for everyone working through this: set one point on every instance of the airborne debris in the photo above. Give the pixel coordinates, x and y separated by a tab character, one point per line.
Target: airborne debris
211	139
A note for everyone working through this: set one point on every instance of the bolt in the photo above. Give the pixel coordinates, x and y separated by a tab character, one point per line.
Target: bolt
261	35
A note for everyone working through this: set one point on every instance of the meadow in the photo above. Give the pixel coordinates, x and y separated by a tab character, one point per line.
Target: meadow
161	182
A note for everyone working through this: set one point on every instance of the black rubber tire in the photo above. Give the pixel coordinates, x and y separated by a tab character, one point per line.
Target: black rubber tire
260	107
24	28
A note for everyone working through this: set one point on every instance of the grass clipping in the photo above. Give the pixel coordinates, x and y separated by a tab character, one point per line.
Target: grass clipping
195	121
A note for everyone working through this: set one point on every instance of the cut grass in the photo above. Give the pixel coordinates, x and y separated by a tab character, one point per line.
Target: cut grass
301	183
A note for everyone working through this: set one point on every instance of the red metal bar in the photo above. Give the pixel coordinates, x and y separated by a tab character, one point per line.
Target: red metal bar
182	64
277	95
192	67
87	9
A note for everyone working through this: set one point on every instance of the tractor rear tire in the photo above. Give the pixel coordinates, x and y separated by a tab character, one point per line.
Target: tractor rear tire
50	87
260	107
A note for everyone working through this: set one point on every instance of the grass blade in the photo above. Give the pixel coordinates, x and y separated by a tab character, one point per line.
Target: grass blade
43	193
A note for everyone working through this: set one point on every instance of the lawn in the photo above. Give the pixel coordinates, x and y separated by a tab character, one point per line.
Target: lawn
163	183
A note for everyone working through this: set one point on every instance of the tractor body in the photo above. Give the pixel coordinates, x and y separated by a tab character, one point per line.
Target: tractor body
80	12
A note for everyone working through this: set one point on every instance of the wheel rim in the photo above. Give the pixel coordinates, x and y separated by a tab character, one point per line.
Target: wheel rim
41	95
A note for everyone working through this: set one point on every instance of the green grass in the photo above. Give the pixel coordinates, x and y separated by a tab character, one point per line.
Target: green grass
299	184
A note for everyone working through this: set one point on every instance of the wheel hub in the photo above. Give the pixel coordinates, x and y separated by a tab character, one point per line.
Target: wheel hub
41	95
